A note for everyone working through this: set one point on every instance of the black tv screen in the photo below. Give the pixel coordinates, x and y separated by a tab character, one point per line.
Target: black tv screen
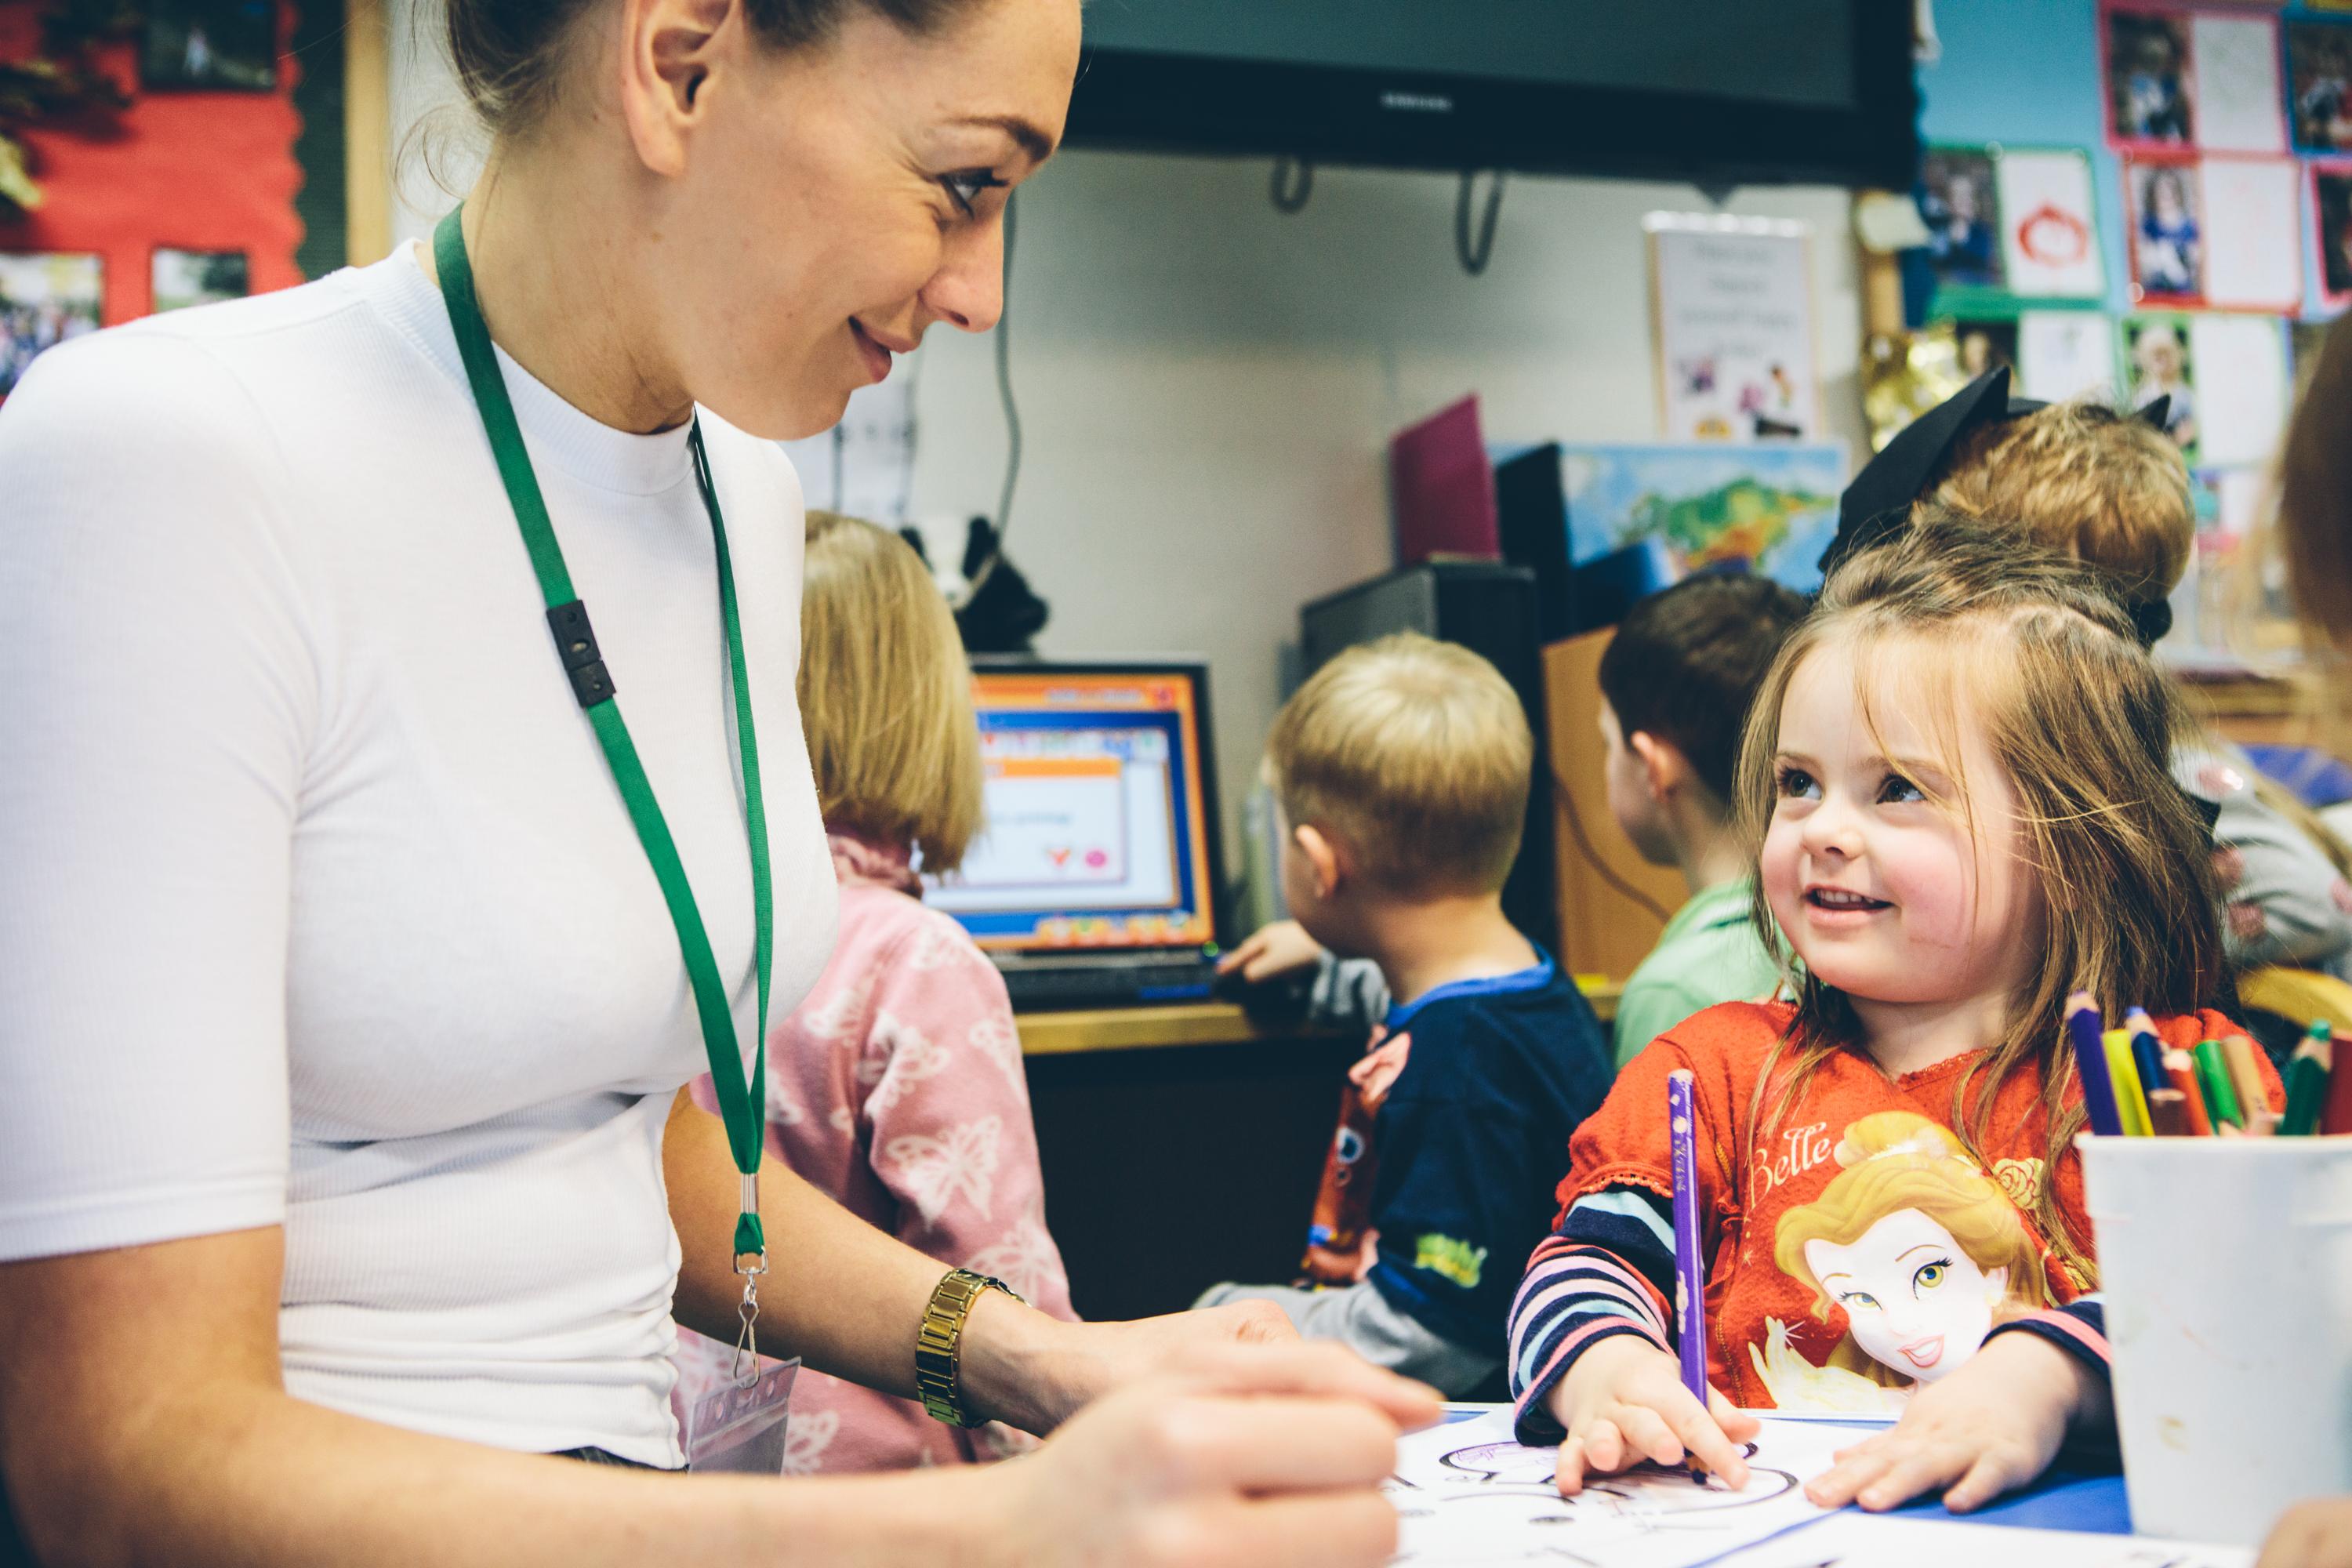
1720	91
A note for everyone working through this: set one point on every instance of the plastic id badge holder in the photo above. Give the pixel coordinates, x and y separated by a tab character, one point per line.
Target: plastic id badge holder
740	1430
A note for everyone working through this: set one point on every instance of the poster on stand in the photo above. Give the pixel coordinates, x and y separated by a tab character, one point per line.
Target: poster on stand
1732	328
2253	229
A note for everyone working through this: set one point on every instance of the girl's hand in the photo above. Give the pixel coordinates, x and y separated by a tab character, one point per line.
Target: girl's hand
1993	1425
2314	1534
1623	1402
1272	950
1241	1455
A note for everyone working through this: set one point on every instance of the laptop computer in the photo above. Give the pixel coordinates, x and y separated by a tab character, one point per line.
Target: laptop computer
1094	882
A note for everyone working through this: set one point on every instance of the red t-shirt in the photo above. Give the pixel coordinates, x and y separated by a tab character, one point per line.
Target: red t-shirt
1856	1248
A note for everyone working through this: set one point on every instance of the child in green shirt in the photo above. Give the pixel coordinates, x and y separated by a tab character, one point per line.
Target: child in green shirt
1676	684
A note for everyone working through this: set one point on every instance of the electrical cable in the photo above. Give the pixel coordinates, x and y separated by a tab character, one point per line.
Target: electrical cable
1560	792
1474	258
1005	391
1289	194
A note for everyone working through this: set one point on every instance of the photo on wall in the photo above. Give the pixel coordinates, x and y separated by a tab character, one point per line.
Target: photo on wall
2168	229
209	45
1959	201
2149	87
46	297
1985	345
2331	216
186	278
2319	85
2157	364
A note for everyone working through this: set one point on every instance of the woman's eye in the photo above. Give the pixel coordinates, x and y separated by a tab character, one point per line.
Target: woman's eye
1899	791
1796	783
1858	1300
1930	1275
965	186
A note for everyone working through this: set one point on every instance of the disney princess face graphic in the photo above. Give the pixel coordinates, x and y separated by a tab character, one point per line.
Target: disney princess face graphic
1914	1301
1917	1247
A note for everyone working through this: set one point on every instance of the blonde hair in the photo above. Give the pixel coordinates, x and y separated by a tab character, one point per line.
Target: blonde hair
2081	719
886	694
1417	754
2083	479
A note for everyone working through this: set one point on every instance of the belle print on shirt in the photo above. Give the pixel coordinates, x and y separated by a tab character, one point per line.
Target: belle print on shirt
1919	1247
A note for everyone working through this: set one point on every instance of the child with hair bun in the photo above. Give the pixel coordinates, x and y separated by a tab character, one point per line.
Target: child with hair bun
1953	781
896	1085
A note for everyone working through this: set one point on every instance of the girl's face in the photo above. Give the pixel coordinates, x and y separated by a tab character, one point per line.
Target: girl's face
2165	196
1884	894
1914	1301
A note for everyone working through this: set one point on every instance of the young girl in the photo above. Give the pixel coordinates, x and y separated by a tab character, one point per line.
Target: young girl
1955	777
896	1086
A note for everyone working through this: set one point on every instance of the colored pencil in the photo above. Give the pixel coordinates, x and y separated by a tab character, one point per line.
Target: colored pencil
2167	1112
2245	1073
2221	1095
2131	1099
2180	1071
2307	1081
2082	1031
1690	1277
2148	1051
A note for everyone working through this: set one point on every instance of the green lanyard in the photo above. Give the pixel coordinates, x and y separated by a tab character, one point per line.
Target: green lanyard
739	1103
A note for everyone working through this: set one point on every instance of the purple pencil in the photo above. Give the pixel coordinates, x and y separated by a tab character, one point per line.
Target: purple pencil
1690	1265
2085	1028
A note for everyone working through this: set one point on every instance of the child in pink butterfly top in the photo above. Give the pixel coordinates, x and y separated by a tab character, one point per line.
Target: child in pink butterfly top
896	1086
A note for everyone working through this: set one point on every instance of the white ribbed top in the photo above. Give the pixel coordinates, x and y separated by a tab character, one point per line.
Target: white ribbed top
317	904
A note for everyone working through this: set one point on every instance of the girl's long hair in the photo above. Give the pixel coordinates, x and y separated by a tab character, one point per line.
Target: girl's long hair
2039	650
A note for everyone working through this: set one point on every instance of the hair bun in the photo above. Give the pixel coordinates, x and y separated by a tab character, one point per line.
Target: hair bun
1901	1132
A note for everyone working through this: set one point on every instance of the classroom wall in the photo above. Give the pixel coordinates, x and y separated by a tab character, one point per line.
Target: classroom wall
1207	386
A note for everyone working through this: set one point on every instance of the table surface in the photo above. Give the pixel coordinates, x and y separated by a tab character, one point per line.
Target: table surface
1200	1023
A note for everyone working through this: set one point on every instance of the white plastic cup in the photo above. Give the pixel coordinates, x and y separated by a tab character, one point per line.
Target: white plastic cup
2227	1267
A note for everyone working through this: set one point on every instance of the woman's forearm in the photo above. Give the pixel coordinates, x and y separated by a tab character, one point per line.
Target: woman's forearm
140	1420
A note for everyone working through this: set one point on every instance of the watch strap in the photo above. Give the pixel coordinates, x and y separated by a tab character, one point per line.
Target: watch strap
938	1343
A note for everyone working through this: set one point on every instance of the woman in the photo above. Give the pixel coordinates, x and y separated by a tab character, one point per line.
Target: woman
341	1025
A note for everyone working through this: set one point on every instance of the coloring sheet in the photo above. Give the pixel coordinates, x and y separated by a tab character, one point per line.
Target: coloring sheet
1465	1493
1861	1541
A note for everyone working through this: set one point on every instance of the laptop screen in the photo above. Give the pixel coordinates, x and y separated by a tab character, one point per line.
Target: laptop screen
1098	819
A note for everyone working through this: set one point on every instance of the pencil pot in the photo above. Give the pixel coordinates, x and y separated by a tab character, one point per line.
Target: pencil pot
2227	1268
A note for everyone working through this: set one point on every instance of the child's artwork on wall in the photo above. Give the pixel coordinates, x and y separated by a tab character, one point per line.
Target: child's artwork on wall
2253	210
1959	201
186	278
44	298
1732	320
2331	214
2237	64
2064	354
1767	508
209	45
2239	365
2168	229
2319	85
2050	235
2158	364
2149	87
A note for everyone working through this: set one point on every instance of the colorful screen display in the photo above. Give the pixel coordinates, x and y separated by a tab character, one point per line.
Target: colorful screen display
1096	834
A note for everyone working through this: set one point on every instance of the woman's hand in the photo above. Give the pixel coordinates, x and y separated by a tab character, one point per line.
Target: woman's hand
2314	1534
1271	952
1993	1425
1623	1402
1233	1455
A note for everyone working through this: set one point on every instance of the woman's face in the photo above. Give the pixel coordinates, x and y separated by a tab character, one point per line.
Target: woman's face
1914	1301
834	202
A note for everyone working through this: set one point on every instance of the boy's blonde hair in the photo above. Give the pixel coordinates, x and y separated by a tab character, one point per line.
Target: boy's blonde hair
1417	754
886	694
2083	479
2082	720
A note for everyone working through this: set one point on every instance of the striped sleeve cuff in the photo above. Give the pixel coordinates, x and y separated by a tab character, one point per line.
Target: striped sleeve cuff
1573	1297
2079	1328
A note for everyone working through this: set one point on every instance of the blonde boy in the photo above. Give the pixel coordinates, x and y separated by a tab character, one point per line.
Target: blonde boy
1401	770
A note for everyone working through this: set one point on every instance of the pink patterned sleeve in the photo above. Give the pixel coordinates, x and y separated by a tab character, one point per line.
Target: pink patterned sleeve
953	1138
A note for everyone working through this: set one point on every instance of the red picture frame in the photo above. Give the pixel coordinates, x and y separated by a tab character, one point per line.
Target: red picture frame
2164	229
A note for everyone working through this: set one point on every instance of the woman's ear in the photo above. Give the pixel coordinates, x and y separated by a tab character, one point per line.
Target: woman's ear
1322	858
668	50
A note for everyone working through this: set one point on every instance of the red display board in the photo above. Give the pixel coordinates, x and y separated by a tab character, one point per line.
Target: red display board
202	170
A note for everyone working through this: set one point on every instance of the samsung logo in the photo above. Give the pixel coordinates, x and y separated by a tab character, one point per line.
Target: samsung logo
1418	102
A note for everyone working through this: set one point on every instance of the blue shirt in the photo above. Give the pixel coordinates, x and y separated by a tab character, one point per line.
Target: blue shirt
1473	1142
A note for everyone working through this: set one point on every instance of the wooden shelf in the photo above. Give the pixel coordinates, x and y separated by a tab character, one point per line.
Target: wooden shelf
1190	1023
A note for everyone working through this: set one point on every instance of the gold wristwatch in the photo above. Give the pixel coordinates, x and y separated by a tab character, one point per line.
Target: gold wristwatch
938	1343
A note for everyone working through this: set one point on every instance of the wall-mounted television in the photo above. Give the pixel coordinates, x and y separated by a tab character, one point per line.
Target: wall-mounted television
1714	91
